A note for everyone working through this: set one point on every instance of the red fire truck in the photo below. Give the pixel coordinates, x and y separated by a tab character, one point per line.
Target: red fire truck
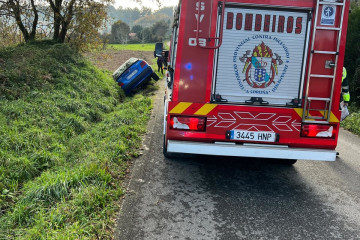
256	78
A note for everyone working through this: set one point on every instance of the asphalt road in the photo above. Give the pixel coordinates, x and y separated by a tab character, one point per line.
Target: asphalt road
236	198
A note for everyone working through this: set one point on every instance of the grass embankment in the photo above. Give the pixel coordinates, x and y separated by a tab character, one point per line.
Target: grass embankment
352	122
133	47
66	135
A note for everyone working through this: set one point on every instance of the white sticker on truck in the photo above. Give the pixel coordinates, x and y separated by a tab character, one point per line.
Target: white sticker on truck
261	55
328	15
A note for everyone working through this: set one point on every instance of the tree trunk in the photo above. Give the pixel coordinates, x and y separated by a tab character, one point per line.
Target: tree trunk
35	21
66	21
17	15
56	8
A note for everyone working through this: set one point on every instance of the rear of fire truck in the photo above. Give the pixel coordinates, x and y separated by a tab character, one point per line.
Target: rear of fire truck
254	78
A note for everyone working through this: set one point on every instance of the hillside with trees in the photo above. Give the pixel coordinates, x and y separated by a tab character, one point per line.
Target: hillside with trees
136	16
138	25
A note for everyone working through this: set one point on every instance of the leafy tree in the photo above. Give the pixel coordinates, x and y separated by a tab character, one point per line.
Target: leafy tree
74	21
105	38
150	20
65	12
159	30
128	15
145	11
84	29
137	29
352	54
169	11
25	14
146	35
120	32
8	32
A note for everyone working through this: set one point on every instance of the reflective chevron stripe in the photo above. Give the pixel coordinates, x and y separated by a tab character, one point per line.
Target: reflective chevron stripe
204	110
180	107
333	118
193	108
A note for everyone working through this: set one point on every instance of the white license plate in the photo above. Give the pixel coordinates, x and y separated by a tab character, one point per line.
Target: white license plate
132	74
253	136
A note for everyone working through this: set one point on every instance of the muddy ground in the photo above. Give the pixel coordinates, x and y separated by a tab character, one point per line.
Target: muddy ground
112	59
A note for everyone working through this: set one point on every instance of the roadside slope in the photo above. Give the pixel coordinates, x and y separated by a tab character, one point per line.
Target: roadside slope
67	134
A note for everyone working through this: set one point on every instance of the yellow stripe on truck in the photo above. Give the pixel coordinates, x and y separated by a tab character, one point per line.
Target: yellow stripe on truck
333	118
204	110
299	111
180	108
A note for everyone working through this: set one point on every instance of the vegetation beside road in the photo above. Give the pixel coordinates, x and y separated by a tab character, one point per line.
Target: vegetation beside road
67	133
352	53
352	122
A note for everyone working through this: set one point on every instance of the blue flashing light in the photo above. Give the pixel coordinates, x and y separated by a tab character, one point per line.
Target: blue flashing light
188	66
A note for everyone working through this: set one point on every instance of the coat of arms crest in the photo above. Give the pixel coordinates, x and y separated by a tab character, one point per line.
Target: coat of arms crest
261	66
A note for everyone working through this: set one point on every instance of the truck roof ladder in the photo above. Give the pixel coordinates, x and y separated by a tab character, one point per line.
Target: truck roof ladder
325	118
217	40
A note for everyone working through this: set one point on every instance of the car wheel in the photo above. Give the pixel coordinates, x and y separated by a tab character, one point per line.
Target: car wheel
155	76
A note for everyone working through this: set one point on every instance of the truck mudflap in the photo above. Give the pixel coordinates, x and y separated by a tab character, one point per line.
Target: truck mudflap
250	150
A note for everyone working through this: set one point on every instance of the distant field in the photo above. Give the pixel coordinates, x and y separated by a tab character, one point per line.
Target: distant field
133	47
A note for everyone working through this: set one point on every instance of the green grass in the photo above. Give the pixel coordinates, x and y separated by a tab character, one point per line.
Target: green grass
67	133
352	122
133	47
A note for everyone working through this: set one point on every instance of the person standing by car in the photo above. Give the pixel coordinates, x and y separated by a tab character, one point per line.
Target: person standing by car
345	88
345	95
160	62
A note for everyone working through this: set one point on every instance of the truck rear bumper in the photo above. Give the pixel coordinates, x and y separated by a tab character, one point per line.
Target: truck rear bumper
250	150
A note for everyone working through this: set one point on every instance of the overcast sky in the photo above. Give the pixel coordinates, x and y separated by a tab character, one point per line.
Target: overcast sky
146	3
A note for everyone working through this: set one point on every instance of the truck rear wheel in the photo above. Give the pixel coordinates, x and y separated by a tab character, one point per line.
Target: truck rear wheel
165	152
288	162
284	162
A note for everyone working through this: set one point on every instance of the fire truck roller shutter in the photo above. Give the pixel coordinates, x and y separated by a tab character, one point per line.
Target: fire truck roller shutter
261	55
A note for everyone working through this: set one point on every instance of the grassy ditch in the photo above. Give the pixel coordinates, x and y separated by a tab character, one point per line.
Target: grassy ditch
67	133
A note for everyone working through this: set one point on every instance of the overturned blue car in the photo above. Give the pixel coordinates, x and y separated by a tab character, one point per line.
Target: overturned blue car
133	74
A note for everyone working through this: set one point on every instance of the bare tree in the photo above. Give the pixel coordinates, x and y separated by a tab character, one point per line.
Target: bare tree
25	14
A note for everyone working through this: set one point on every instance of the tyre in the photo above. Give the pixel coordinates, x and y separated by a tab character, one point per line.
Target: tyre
166	154
284	162
288	162
155	76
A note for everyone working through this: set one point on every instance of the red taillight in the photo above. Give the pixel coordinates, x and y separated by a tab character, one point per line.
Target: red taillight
120	84
322	131
143	64
188	123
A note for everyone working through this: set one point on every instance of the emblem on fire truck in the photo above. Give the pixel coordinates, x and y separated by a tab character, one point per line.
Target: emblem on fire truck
261	66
